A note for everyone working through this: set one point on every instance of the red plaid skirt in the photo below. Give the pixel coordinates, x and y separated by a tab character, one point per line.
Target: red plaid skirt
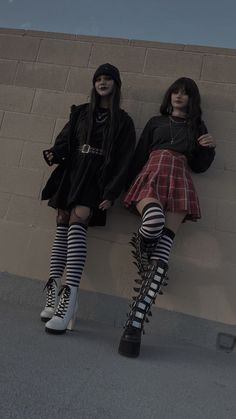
166	177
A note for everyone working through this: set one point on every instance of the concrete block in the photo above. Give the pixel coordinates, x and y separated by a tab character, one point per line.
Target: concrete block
216	184
10	152
28	127
46	216
14	247
54	35
230	157
158	45
1	117
29	211
56	104
126	58
32	156
4	203
226	220
23	210
193	285
144	88
222	125
199	245
12	31
102	39
133	108
208	211
226	342
119	227
20	181
219	68
7	71
16	99
220	157
173	64
64	52
80	80
35	263
108	263
44	76
210	248
210	50
19	47
217	96
148	110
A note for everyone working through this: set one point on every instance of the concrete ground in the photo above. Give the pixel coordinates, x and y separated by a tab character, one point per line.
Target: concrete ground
80	374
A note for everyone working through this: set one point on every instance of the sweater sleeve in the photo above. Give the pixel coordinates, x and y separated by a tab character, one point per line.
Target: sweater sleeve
123	152
202	157
61	145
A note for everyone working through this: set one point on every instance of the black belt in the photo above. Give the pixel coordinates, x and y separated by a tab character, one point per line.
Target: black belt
87	149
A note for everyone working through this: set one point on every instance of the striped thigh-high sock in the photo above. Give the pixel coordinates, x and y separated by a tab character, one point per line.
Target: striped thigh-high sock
153	220
76	253
163	247
59	252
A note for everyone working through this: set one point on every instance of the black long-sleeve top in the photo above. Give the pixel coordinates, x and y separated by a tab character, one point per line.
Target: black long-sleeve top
157	136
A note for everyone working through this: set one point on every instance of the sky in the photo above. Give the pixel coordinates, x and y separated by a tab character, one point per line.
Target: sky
199	22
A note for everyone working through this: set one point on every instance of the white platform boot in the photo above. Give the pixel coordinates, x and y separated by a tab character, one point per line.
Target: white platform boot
65	314
52	287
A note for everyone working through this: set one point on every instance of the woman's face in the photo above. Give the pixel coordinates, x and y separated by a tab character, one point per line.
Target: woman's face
104	85
179	100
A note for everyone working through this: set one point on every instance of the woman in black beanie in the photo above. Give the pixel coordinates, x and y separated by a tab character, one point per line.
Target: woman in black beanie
92	152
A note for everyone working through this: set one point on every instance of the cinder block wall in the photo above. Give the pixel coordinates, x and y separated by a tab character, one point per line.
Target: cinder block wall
41	75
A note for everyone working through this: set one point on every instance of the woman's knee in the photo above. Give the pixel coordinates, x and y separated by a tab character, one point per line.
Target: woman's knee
80	214
63	217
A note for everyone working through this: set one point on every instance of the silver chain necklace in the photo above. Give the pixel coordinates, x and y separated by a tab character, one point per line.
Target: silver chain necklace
172	121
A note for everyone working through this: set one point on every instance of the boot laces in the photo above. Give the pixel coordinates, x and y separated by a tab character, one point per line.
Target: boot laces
51	286
64	301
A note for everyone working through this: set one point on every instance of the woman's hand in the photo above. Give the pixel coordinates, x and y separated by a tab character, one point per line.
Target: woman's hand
206	140
105	205
48	156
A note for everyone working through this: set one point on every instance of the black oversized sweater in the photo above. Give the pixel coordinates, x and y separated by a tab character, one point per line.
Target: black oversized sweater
199	158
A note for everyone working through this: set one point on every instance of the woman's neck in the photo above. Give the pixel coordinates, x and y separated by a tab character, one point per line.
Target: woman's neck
179	113
105	102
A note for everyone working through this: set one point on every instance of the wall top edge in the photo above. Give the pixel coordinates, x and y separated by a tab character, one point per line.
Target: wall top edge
120	41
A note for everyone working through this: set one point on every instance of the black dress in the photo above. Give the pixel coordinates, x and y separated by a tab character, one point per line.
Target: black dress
88	179
80	185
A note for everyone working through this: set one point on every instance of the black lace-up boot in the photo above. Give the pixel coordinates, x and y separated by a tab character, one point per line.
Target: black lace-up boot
142	250
153	280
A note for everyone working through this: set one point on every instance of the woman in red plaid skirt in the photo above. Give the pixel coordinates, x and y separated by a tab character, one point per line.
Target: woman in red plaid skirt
162	191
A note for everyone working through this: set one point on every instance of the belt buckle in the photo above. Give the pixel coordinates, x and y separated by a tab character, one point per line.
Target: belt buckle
85	148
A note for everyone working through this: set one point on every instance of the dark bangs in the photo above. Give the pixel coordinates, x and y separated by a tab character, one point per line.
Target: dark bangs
189	87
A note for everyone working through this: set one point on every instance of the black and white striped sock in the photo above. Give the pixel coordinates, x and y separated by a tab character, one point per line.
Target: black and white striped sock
59	252
153	221
163	247
76	254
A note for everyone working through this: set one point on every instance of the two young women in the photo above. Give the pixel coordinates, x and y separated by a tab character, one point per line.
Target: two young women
93	153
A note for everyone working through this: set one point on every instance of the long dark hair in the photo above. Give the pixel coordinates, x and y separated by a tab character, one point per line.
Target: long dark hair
113	119
194	112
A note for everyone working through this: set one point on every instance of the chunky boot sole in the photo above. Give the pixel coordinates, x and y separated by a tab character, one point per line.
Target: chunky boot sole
129	348
55	331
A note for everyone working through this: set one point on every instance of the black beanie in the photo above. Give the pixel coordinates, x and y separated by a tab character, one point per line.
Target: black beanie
108	70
